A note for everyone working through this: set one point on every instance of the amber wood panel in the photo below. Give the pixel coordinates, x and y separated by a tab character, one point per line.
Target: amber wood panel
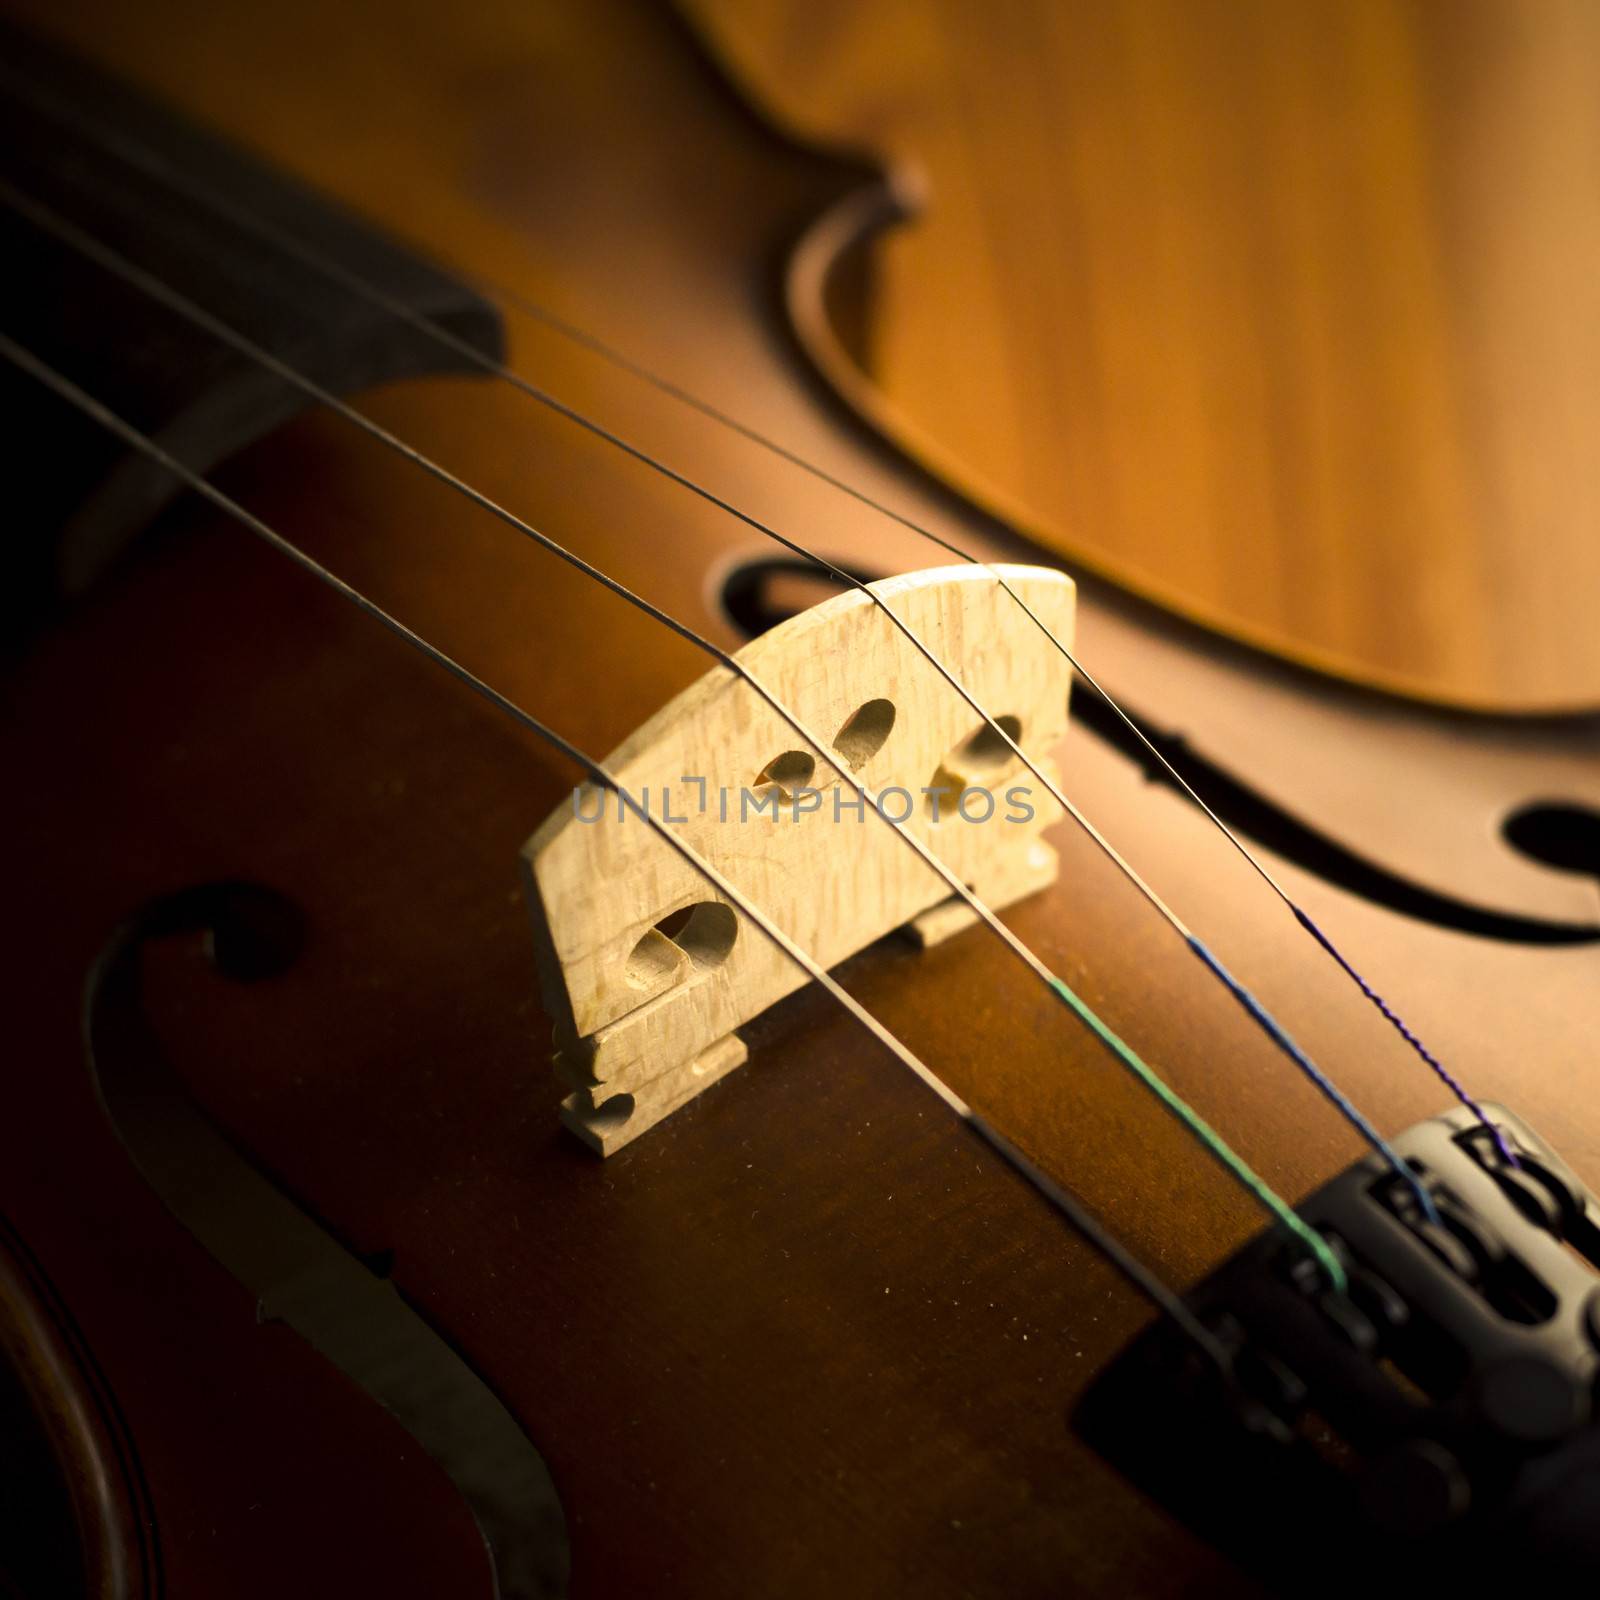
1286	316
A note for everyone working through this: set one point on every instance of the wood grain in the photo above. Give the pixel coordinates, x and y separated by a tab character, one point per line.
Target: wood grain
642	1020
1285	316
805	1339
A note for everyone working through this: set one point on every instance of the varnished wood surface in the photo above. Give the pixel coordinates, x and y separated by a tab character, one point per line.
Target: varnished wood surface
1283	315
492	140
804	1338
804	1335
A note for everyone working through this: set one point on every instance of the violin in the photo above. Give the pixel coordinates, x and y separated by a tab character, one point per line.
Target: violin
632	974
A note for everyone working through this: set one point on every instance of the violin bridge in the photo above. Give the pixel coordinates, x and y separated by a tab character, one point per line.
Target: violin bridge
648	972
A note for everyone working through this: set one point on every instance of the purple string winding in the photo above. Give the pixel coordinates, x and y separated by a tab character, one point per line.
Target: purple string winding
1444	1074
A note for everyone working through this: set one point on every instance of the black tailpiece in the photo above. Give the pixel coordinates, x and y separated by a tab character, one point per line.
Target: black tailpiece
1437	1420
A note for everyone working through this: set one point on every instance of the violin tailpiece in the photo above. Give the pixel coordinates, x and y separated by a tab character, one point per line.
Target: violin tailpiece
648	973
1439	1419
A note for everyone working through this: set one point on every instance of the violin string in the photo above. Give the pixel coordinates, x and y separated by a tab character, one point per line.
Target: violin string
615	357
51	221
1065	1202
1278	1036
139	156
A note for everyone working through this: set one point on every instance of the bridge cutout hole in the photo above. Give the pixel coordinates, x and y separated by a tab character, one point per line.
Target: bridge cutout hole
975	763
693	937
613	1115
791	771
708	933
864	733
655	960
986	751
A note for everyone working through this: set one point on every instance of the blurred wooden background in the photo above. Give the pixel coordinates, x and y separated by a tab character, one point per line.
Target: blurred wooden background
1287	316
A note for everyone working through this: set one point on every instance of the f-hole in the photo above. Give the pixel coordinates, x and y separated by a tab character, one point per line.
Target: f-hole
758	594
1557	834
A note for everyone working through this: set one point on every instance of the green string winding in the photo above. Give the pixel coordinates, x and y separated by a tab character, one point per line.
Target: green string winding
1209	1137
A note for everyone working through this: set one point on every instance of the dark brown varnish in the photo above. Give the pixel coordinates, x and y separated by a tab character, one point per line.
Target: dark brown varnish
806	1337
